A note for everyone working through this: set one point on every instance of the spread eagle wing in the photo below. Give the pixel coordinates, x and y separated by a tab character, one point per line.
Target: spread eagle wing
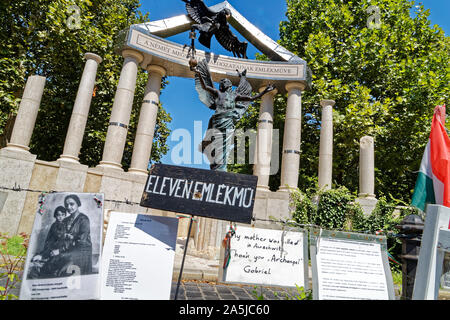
244	89
230	42
206	97
197	10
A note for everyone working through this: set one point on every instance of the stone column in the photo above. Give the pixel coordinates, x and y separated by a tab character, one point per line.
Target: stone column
77	125
264	140
292	136
27	114
326	145
366	197
366	167
121	111
147	121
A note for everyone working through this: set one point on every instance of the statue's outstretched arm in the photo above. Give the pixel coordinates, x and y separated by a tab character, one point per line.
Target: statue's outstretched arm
212	90
255	97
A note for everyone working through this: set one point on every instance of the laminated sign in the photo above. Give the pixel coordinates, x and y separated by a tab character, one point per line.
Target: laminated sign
200	192
350	266
63	259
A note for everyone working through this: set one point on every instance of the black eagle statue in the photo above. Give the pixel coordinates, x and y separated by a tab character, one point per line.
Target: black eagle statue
210	23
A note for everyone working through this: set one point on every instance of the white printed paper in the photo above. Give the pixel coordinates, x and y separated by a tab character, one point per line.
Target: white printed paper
348	269
138	257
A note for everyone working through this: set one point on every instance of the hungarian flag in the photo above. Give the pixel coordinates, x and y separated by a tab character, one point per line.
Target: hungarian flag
433	181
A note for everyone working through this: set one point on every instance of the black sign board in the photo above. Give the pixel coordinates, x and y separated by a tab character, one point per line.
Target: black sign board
200	192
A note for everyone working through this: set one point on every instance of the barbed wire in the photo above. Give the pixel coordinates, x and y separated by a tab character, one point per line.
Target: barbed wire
289	223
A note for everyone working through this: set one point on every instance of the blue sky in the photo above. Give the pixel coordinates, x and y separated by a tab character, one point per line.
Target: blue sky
180	99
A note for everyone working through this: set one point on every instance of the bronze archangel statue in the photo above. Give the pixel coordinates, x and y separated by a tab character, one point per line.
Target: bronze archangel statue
210	23
229	107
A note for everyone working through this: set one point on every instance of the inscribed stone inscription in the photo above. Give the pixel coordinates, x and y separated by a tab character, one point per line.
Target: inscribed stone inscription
348	269
265	256
221	64
138	257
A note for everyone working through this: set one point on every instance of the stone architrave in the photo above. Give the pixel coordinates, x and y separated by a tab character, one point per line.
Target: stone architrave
366	197
264	140
27	114
121	111
77	125
326	145
147	120
292	136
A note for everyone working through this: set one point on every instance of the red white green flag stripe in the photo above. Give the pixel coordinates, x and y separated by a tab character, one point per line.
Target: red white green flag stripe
433	181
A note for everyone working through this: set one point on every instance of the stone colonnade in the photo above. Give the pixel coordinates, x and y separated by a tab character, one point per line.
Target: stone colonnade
119	121
120	116
121	111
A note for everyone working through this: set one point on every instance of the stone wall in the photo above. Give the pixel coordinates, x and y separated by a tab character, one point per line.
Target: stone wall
122	192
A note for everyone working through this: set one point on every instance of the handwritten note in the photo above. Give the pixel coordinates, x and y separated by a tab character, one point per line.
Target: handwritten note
266	256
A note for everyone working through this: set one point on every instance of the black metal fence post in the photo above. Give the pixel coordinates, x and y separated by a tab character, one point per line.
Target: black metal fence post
411	228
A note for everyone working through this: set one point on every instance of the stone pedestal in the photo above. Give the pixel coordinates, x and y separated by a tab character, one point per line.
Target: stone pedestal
292	136
264	140
121	111
77	125
326	145
26	116
147	120
16	168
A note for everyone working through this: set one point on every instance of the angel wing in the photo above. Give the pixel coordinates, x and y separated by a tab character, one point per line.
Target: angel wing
244	89
206	97
197	10
230	42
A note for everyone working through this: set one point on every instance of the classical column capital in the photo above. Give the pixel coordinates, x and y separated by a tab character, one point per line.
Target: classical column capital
93	56
153	68
133	54
325	103
273	92
295	85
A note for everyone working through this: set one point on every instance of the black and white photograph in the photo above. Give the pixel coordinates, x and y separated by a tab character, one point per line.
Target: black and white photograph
65	243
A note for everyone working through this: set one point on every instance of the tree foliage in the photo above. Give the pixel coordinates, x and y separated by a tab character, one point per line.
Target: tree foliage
385	79
50	38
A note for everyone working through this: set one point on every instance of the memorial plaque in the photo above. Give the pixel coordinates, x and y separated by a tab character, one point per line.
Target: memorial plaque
350	266
200	192
266	257
138	257
63	259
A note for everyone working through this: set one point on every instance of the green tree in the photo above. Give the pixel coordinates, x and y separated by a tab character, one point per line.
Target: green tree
49	38
386	80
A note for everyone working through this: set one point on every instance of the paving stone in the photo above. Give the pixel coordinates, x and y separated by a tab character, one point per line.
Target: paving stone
205	285
227	297
211	296
244	297
223	289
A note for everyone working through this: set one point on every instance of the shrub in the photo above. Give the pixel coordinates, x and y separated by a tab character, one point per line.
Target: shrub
13	250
